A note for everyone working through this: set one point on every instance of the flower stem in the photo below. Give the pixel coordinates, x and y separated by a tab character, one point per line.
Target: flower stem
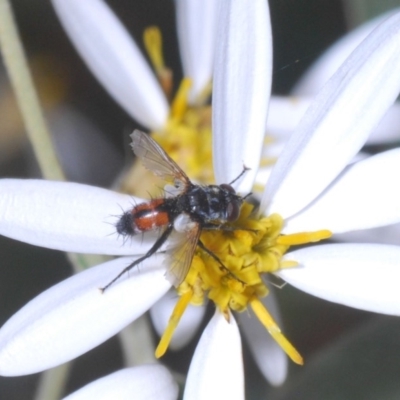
27	98
52	383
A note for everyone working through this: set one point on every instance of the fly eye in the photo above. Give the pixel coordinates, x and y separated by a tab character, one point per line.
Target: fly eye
227	187
232	211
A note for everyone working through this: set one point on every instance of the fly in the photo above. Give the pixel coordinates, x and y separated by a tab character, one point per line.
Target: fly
187	210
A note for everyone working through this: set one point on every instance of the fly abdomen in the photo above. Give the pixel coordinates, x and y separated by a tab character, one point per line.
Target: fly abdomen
147	217
143	217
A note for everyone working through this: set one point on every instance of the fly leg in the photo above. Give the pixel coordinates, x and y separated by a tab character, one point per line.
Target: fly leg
211	254
159	242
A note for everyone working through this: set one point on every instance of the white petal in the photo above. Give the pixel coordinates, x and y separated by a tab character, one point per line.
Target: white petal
216	370
327	64
65	216
284	114
188	325
114	58
269	356
364	196
363	276
73	316
338	122
197	23
241	89
389	234
144	382
386	131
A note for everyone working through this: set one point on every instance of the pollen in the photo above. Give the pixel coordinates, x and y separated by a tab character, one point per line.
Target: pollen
252	248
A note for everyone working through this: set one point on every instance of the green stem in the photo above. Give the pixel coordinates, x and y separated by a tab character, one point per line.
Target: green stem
21	80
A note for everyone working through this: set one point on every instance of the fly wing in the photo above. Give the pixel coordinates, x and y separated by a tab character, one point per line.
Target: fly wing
155	159
180	253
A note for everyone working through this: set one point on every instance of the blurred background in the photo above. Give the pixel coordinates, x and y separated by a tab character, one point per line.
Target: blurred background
349	354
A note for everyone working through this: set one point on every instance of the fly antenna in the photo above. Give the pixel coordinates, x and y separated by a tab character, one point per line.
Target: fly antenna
247	195
245	169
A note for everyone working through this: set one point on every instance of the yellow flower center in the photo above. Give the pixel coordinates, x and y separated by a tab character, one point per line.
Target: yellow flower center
253	248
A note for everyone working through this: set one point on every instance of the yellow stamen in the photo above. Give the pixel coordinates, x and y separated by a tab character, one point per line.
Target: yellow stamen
303	237
180	104
266	319
152	39
179	309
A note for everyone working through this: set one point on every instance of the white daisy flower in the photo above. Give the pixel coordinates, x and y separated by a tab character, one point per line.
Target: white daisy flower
310	187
